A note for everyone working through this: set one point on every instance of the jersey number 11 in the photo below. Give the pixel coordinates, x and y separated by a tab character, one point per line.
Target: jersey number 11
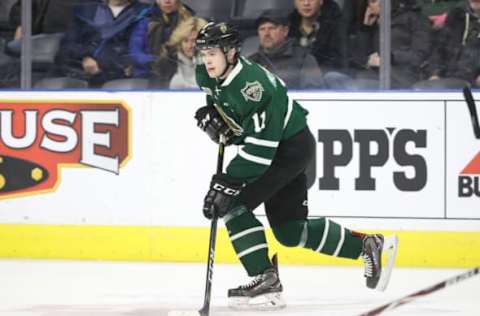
259	121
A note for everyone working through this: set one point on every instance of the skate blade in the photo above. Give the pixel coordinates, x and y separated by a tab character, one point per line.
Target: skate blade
390	247
266	302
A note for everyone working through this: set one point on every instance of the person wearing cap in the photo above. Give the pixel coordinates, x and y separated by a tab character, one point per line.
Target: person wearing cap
282	56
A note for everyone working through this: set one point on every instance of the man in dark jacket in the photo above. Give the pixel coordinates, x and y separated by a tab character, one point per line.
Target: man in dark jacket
316	25
410	43
468	68
48	16
96	47
282	56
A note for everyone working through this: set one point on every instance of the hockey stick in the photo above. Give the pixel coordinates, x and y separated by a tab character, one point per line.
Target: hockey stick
467	93
205	310
407	299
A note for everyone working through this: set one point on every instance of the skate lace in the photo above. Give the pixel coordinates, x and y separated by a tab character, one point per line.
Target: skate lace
368	265
252	284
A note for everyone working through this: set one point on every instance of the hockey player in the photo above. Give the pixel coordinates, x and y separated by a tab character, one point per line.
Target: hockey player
250	107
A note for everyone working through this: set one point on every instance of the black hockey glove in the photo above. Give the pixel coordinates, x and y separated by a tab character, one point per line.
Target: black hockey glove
220	197
210	121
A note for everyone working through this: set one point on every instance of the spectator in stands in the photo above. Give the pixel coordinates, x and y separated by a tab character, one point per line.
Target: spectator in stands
48	16
437	10
315	24
96	47
469	64
455	57
182	41
410	43
282	55
147	47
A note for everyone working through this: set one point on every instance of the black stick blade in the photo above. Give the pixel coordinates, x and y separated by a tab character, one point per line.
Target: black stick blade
467	93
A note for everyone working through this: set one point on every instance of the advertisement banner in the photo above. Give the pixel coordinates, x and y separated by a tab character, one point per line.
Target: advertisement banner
378	158
463	168
37	138
138	158
67	158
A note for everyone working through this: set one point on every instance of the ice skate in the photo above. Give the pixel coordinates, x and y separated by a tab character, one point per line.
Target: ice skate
374	248
263	293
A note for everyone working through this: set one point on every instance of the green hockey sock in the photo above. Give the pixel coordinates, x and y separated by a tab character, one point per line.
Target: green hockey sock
321	235
247	235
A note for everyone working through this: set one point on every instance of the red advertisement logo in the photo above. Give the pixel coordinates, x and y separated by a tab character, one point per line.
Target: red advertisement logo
469	179
37	139
473	167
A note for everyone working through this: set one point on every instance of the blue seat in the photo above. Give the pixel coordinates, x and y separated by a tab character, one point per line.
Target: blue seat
44	47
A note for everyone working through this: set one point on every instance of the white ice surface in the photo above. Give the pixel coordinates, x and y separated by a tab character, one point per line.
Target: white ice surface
58	288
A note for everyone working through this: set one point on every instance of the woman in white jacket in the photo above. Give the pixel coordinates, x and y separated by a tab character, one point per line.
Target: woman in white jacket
183	39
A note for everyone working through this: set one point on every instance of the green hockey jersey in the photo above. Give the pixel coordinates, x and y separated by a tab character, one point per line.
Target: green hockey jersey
255	104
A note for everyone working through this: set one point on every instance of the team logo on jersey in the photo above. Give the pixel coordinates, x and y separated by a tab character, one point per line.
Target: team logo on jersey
252	91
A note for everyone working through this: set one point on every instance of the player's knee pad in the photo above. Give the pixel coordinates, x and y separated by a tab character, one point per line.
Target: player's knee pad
290	233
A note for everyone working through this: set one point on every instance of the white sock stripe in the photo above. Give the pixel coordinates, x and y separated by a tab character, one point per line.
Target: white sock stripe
304	235
246	232
340	242
324	237
252	249
261	142
256	159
